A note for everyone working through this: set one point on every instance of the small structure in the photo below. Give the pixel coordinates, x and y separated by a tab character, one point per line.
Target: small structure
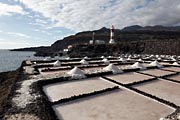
67	50
112	41
113	68
93	40
97	42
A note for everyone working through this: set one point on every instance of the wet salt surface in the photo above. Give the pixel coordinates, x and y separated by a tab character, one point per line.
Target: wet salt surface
115	105
162	89
175	69
129	77
175	77
62	90
157	72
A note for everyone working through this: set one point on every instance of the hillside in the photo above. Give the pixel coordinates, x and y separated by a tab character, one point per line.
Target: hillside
131	33
160	36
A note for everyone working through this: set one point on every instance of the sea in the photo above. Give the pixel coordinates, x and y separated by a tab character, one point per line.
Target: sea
11	60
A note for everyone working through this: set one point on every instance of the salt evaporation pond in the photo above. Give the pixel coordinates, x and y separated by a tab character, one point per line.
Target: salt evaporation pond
175	69
127	78
157	72
67	89
163	89
114	105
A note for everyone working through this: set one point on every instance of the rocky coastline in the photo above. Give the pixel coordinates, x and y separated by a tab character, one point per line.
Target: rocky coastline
10	82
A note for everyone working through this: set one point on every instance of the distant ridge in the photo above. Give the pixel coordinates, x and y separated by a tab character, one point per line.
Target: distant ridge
151	28
132	28
134	33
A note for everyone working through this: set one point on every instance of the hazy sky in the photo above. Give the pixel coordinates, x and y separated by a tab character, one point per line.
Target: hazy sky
26	23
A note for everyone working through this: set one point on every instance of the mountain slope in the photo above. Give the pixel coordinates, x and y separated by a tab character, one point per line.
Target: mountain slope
160	35
131	33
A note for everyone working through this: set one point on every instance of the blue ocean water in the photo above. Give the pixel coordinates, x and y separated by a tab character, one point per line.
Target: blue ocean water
11	60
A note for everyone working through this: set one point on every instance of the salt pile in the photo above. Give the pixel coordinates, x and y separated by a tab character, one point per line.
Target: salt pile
122	59
159	58
86	58
175	63
76	73
173	59
113	68
106	61
129	59
138	65
67	58
156	63
57	63
84	62
147	57
140	60
151	56
47	58
110	56
102	57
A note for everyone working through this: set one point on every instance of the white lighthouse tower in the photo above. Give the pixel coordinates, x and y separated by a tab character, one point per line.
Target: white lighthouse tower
111	41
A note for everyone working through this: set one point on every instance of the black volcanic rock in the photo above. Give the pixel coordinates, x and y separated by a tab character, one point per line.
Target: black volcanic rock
33	49
131	33
160	35
151	28
159	28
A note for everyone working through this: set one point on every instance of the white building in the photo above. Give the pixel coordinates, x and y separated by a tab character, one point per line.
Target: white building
97	42
112	41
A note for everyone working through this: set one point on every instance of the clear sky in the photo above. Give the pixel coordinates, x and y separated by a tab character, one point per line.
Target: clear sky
25	23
